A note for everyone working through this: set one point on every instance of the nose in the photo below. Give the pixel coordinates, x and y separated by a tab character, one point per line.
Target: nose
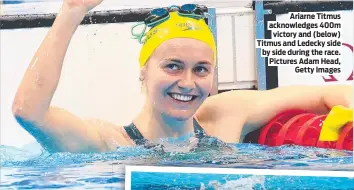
186	84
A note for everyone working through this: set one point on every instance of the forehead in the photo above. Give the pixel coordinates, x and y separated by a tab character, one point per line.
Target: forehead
185	49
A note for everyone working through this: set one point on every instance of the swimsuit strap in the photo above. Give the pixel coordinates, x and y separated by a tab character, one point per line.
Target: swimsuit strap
198	130
134	133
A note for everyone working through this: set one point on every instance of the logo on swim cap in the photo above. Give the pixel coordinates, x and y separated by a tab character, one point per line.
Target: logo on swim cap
182	26
188	26
176	27
150	34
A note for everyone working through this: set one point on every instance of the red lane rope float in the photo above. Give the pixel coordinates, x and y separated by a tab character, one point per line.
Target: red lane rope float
269	133
289	131
301	128
326	144
345	140
310	132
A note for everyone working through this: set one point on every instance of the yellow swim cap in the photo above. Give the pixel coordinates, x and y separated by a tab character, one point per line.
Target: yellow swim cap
176	27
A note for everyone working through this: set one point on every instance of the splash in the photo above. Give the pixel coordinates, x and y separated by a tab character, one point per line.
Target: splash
242	183
23	169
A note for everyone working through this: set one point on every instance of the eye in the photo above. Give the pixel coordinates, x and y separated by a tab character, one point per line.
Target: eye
201	70
173	67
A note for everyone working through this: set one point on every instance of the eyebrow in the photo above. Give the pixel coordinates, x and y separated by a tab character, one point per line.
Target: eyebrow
179	61
174	60
204	63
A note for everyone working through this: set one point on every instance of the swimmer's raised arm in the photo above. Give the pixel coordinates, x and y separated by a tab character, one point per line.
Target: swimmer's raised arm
243	111
315	99
54	128
42	76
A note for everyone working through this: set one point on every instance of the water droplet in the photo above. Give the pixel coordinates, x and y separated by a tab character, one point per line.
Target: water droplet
37	77
34	63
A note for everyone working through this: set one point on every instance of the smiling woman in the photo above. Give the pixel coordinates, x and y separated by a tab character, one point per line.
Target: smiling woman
177	65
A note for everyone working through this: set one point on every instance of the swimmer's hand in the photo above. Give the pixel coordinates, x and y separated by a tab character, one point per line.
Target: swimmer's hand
87	5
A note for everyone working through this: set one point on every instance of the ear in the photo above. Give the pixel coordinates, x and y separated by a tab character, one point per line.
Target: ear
142	73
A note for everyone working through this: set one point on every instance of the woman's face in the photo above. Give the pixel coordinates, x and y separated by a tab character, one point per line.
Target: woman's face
179	77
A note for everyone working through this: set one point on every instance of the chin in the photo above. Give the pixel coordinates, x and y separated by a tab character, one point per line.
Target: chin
181	115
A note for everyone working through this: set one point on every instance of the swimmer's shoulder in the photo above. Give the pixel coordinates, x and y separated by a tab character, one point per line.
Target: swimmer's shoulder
226	107
212	108
227	103
112	135
208	115
222	116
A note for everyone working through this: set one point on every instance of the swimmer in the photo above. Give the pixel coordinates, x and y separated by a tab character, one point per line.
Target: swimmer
176	70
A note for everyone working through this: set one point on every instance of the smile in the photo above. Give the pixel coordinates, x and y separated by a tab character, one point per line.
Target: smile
182	97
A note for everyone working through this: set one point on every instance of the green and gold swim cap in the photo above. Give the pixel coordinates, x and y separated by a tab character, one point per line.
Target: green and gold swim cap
176	27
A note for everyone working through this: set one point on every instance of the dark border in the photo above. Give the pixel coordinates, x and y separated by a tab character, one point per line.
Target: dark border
98	17
271	71
307	6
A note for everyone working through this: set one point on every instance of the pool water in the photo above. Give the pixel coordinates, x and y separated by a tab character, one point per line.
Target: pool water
151	180
25	170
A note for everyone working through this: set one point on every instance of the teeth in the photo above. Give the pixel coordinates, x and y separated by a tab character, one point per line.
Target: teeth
182	97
